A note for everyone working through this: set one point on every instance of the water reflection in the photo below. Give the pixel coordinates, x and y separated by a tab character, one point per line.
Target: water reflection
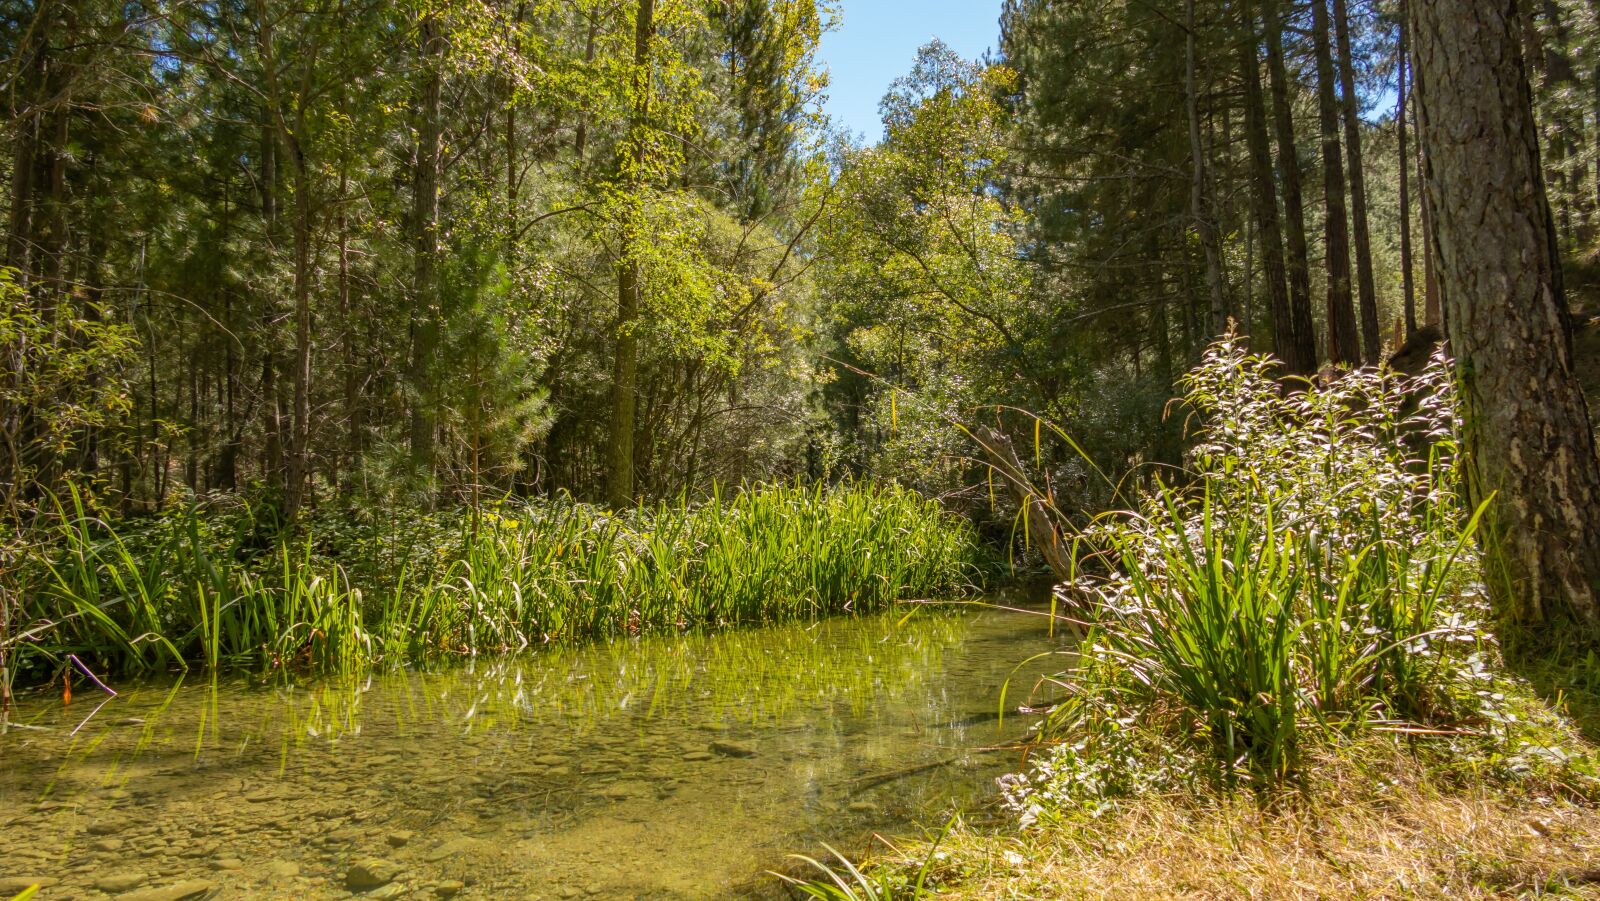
677	767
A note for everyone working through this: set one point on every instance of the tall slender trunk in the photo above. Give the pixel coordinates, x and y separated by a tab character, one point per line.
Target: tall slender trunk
1407	279
1264	202
1302	329
290	138
425	311
1202	204
1366	288
1432	310
1343	341
625	371
1528	438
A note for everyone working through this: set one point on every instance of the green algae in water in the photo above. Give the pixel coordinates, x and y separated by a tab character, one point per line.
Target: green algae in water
669	767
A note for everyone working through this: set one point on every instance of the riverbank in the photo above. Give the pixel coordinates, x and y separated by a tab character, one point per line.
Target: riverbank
216	587
1293	683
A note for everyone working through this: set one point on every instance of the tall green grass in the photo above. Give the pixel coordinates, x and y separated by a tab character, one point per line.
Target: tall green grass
194	588
1313	576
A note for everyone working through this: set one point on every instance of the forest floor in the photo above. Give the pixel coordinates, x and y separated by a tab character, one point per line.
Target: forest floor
1383	817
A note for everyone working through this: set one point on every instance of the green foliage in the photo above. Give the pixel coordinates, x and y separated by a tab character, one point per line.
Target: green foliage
195	587
1317	580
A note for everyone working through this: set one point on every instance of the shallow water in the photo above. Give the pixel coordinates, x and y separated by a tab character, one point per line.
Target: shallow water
672	767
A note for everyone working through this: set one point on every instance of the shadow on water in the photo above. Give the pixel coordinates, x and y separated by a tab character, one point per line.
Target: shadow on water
669	767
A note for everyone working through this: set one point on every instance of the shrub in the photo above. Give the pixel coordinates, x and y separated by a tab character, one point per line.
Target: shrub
1317	576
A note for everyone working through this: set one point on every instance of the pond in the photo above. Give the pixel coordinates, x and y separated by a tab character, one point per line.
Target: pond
659	768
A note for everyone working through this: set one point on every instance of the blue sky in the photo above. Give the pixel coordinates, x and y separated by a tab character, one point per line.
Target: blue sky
878	40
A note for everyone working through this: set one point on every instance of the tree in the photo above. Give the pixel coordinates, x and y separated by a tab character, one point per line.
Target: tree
1302	330
1366	291
1343	346
1528	438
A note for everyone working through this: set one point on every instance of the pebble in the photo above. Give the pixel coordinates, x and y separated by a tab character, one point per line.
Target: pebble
449	888
732	749
400	838
15	885
283	869
117	883
370	873
194	888
450	849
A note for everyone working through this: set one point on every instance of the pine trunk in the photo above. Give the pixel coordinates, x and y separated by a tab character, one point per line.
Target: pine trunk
1366	288
1298	263
1343	343
1527	432
1264	206
625	369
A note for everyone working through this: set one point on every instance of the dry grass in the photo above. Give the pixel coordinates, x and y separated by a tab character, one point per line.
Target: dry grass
1349	838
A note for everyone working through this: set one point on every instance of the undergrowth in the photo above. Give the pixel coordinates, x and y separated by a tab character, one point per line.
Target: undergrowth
360	588
1301	615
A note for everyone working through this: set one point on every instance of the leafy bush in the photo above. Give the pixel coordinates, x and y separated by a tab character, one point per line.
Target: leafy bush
1316	577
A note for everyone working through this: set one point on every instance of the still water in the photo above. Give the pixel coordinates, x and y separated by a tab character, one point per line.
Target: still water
660	768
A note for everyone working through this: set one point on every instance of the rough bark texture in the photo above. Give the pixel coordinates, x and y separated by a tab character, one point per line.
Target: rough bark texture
1264	206
1201	202
625	369
425	251
1528	437
1407	280
1298	262
1366	288
1343	346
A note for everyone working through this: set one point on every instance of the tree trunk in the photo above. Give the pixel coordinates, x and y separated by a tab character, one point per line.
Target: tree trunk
1201	203
1302	329
425	312
1366	288
1264	204
625	371
1527	431
1343	346
1407	279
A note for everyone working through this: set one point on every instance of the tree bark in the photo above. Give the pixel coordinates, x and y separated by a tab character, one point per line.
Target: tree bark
1343	346
1366	288
1298	264
1264	204
425	312
1201	203
625	369
1527	432
1407	279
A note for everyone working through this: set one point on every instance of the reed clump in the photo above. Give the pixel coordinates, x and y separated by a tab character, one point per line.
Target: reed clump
358	588
1313	580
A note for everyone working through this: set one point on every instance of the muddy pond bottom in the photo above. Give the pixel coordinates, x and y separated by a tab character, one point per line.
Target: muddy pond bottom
660	768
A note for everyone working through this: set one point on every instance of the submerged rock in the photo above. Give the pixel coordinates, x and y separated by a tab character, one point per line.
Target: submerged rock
732	749
182	891
370	873
117	883
16	885
449	888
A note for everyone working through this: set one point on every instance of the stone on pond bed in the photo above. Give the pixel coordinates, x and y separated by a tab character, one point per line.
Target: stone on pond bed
370	873
182	891
732	749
